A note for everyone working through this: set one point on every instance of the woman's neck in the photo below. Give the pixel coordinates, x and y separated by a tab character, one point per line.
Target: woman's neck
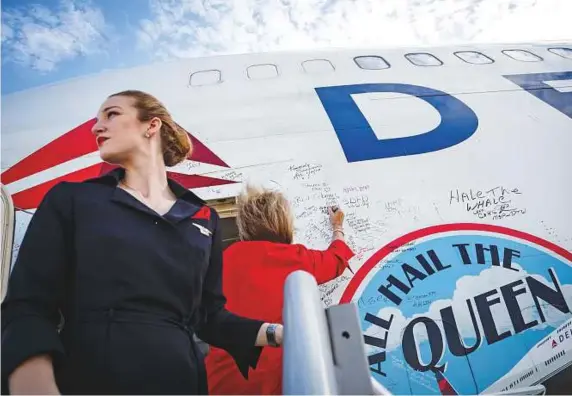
148	177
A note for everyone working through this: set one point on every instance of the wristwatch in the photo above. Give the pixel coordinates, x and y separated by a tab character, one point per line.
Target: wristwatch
271	335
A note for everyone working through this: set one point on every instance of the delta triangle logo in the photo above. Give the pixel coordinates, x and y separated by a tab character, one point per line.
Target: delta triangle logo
554	344
79	142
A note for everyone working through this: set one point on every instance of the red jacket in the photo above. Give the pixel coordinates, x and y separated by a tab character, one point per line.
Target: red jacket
254	273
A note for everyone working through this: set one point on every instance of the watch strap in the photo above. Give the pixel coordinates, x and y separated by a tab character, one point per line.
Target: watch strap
271	335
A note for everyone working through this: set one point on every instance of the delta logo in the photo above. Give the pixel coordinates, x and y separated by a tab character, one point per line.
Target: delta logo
79	142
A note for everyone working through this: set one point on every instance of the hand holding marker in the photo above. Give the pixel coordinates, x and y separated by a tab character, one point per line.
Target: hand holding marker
337	221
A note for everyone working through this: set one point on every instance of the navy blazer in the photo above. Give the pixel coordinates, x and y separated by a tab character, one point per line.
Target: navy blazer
131	288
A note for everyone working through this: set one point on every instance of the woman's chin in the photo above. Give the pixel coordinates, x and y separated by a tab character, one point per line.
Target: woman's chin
110	158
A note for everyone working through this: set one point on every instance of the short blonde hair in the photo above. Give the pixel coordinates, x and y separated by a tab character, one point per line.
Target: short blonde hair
264	215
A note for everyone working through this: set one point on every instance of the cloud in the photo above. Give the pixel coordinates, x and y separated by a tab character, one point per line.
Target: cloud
467	287
39	37
189	28
493	278
398	323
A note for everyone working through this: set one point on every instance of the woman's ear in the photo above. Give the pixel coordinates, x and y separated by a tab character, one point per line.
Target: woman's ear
155	126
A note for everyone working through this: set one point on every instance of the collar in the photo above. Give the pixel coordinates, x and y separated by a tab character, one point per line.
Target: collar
113	177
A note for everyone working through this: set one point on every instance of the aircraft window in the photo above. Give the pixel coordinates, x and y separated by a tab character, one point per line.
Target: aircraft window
205	77
7	216
563	52
522	55
423	59
257	72
318	66
473	57
371	62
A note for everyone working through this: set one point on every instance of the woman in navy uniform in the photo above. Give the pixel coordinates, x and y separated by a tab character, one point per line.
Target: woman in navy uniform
131	261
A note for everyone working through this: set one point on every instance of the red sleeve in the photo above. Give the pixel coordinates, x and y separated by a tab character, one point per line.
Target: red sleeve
328	264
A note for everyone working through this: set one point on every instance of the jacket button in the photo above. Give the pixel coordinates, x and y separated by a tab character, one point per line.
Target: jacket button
156	222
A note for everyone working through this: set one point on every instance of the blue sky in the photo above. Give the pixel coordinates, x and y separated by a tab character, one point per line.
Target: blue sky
56	40
45	41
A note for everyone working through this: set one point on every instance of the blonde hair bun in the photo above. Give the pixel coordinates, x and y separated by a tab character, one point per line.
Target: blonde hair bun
175	140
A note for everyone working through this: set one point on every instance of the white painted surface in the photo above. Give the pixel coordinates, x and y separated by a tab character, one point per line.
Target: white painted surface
274	131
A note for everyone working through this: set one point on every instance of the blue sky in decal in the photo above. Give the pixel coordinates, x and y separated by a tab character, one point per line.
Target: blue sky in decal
489	362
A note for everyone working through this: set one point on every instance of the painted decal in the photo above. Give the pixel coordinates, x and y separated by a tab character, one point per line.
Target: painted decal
79	142
464	309
535	84
358	140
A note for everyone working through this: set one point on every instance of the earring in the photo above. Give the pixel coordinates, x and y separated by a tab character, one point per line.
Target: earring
147	135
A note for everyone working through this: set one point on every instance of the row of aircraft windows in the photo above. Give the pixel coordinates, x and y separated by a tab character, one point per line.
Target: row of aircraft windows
374	62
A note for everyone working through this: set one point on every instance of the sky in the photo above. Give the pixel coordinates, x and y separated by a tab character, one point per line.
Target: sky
46	41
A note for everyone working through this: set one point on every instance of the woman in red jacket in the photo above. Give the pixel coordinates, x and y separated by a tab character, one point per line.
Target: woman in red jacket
254	272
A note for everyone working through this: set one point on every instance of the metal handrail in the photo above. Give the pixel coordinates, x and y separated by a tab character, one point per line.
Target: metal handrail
308	365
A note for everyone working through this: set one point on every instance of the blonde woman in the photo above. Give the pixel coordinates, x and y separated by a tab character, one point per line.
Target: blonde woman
254	273
133	262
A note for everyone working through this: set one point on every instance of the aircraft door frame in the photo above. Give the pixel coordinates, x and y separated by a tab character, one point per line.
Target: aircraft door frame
7	234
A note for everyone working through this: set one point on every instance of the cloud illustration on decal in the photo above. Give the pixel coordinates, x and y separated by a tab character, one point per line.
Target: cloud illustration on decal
467	287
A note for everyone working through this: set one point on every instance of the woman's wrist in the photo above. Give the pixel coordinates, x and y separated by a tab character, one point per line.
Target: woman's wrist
339	232
270	334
